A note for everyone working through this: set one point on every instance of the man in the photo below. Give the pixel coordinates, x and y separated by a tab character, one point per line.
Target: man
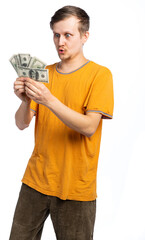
60	178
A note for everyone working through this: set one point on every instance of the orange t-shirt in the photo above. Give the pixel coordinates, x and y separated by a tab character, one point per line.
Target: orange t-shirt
64	162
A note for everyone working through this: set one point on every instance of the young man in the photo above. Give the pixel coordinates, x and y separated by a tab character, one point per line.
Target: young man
60	178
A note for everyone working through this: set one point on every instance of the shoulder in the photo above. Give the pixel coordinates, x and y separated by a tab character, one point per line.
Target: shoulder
100	71
102	74
101	68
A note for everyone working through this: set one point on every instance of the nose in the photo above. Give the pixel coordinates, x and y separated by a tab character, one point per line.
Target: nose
61	40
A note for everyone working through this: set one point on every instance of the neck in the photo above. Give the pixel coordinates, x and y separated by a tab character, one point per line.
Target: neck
69	65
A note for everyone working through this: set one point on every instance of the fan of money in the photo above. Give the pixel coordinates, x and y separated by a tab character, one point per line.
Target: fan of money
32	67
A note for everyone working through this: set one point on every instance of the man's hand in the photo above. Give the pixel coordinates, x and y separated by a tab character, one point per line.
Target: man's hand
19	89
37	91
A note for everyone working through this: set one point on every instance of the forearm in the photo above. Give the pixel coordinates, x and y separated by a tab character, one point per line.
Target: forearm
23	115
73	119
42	95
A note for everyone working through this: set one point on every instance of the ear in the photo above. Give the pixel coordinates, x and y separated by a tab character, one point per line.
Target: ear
85	37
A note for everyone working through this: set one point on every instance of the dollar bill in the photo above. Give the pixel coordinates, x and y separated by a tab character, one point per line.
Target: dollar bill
36	63
40	75
31	67
13	62
17	59
24	59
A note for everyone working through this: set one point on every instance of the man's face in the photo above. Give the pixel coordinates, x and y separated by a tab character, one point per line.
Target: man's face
67	39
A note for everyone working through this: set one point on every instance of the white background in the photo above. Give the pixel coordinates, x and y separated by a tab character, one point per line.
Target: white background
116	41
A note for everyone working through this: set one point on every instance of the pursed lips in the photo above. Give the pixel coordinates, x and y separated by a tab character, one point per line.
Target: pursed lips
61	50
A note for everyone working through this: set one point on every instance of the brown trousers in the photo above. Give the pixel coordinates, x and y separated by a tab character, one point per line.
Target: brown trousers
72	220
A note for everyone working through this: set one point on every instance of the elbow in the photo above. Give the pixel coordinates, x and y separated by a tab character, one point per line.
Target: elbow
20	123
90	133
21	126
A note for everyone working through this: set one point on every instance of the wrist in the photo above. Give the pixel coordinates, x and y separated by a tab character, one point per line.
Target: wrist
51	102
26	103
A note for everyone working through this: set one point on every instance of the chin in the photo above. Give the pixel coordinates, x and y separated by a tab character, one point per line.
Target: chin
62	57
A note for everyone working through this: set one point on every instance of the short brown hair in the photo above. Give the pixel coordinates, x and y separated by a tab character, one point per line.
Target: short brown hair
68	11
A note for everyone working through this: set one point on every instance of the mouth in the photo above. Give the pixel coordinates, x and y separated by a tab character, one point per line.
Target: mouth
61	51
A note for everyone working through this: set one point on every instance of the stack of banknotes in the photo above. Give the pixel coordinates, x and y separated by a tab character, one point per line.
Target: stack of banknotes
32	67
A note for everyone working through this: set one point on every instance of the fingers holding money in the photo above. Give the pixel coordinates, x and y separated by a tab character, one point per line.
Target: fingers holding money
38	91
31	87
19	84
30	93
19	89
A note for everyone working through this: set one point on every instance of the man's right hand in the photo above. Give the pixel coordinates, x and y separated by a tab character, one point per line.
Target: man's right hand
19	90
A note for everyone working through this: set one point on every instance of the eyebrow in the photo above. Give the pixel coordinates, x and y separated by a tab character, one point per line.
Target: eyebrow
64	32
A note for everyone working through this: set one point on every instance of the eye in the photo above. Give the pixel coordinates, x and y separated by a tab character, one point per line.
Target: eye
56	35
67	35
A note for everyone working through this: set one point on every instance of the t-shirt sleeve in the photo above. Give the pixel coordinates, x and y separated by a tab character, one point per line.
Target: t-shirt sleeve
33	106
100	97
